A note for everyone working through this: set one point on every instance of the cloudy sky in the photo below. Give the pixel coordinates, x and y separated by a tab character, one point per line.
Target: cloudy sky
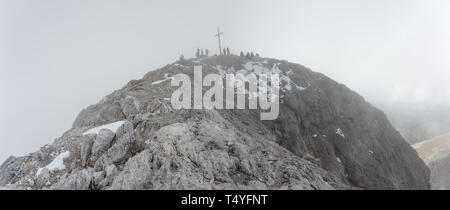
57	57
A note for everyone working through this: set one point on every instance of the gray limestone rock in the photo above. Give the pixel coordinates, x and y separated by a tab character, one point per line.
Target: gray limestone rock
124	146
85	151
43	178
10	171
102	143
99	114
130	106
157	107
79	180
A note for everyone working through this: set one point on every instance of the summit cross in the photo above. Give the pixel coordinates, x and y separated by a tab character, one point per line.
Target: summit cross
218	36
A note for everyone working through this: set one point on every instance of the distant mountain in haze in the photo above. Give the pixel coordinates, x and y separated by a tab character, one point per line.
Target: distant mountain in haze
436	154
418	123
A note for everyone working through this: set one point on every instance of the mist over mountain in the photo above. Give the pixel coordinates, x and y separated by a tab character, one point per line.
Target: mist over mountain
418	122
54	61
69	122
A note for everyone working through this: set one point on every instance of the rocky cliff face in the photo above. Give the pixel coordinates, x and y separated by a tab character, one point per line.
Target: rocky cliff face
326	137
436	154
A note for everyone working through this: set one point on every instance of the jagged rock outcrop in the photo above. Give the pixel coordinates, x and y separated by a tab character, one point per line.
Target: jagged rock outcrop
326	137
436	154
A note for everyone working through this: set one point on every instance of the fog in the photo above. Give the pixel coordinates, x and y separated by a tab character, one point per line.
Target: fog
58	57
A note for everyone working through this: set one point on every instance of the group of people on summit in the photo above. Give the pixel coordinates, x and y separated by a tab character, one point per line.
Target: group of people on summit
226	51
205	53
200	53
249	55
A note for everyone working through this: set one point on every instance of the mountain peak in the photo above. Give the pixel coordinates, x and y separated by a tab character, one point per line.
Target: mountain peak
325	137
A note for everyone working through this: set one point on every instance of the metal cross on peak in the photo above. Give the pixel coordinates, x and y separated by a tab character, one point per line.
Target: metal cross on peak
218	36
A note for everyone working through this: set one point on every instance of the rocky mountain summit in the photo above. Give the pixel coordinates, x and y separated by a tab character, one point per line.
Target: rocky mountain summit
436	154
325	137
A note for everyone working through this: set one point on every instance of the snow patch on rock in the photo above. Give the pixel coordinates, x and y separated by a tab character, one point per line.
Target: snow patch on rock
340	133
166	77
259	68
56	164
112	126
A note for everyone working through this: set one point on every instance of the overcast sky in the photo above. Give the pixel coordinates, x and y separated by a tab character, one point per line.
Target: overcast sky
57	57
